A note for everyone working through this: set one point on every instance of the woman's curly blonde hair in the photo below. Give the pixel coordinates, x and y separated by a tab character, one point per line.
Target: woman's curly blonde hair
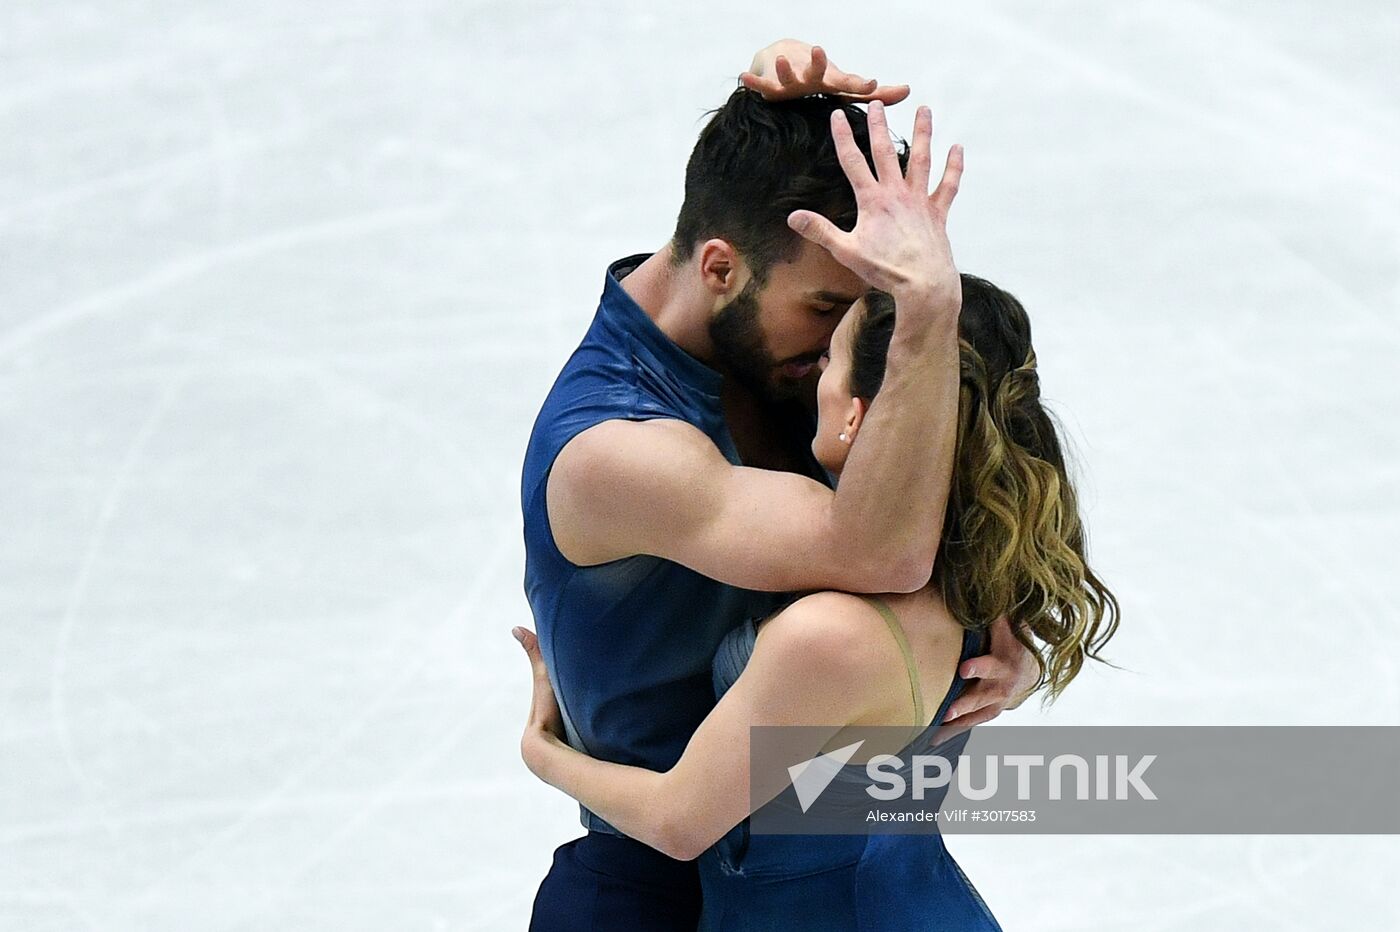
1013	541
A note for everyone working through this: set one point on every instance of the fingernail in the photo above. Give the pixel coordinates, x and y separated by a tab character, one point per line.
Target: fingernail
517	634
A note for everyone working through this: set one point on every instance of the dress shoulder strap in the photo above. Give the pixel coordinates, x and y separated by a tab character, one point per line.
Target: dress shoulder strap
892	621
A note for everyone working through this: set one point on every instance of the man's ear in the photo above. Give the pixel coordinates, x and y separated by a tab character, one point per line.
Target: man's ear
721	268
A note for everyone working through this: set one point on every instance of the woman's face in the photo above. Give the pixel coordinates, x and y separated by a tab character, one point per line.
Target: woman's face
837	411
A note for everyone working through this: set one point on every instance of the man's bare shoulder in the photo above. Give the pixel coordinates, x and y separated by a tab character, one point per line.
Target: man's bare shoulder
625	448
620	487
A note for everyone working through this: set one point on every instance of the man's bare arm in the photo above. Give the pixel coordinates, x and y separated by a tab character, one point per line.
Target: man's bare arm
662	487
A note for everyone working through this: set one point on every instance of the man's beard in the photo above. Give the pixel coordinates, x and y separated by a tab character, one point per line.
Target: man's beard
741	351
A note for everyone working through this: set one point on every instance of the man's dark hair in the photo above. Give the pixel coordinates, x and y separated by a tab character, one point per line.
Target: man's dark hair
756	162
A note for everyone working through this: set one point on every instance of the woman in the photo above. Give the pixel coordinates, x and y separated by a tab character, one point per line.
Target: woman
1012	544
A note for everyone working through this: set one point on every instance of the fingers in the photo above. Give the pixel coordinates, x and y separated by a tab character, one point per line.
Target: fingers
951	728
851	85
824	77
920	159
977	699
996	681
942	197
986	667
852	162
819	76
1019	659
881	146
885	95
817	229
544	707
833	80
1005	678
889	94
527	640
783	68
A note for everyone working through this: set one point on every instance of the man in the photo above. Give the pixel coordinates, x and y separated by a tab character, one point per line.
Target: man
669	490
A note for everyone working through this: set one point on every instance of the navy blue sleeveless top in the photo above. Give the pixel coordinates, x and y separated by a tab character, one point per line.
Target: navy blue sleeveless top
628	643
840	883
733	656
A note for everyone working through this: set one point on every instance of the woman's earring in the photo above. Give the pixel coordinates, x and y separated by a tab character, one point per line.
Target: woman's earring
843	437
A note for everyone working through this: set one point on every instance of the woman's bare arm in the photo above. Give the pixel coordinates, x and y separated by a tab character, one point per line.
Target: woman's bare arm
808	670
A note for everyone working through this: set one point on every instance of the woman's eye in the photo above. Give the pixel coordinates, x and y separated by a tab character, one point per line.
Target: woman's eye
824	311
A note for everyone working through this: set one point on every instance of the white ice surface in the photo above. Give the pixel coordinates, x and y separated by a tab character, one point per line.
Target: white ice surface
282	285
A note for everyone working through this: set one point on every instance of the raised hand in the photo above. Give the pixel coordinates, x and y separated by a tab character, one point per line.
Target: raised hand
900	241
788	69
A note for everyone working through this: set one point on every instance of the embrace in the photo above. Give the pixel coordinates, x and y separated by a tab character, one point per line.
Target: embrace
798	472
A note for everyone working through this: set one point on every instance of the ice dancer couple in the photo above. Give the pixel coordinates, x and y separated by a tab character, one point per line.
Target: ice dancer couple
797	472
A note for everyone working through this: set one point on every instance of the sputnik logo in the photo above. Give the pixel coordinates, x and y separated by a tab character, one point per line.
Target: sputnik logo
811	777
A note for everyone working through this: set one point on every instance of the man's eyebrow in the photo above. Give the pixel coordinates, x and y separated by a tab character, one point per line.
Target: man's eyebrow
832	297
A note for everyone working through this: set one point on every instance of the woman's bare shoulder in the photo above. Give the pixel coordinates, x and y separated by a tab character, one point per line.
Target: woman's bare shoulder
828	629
